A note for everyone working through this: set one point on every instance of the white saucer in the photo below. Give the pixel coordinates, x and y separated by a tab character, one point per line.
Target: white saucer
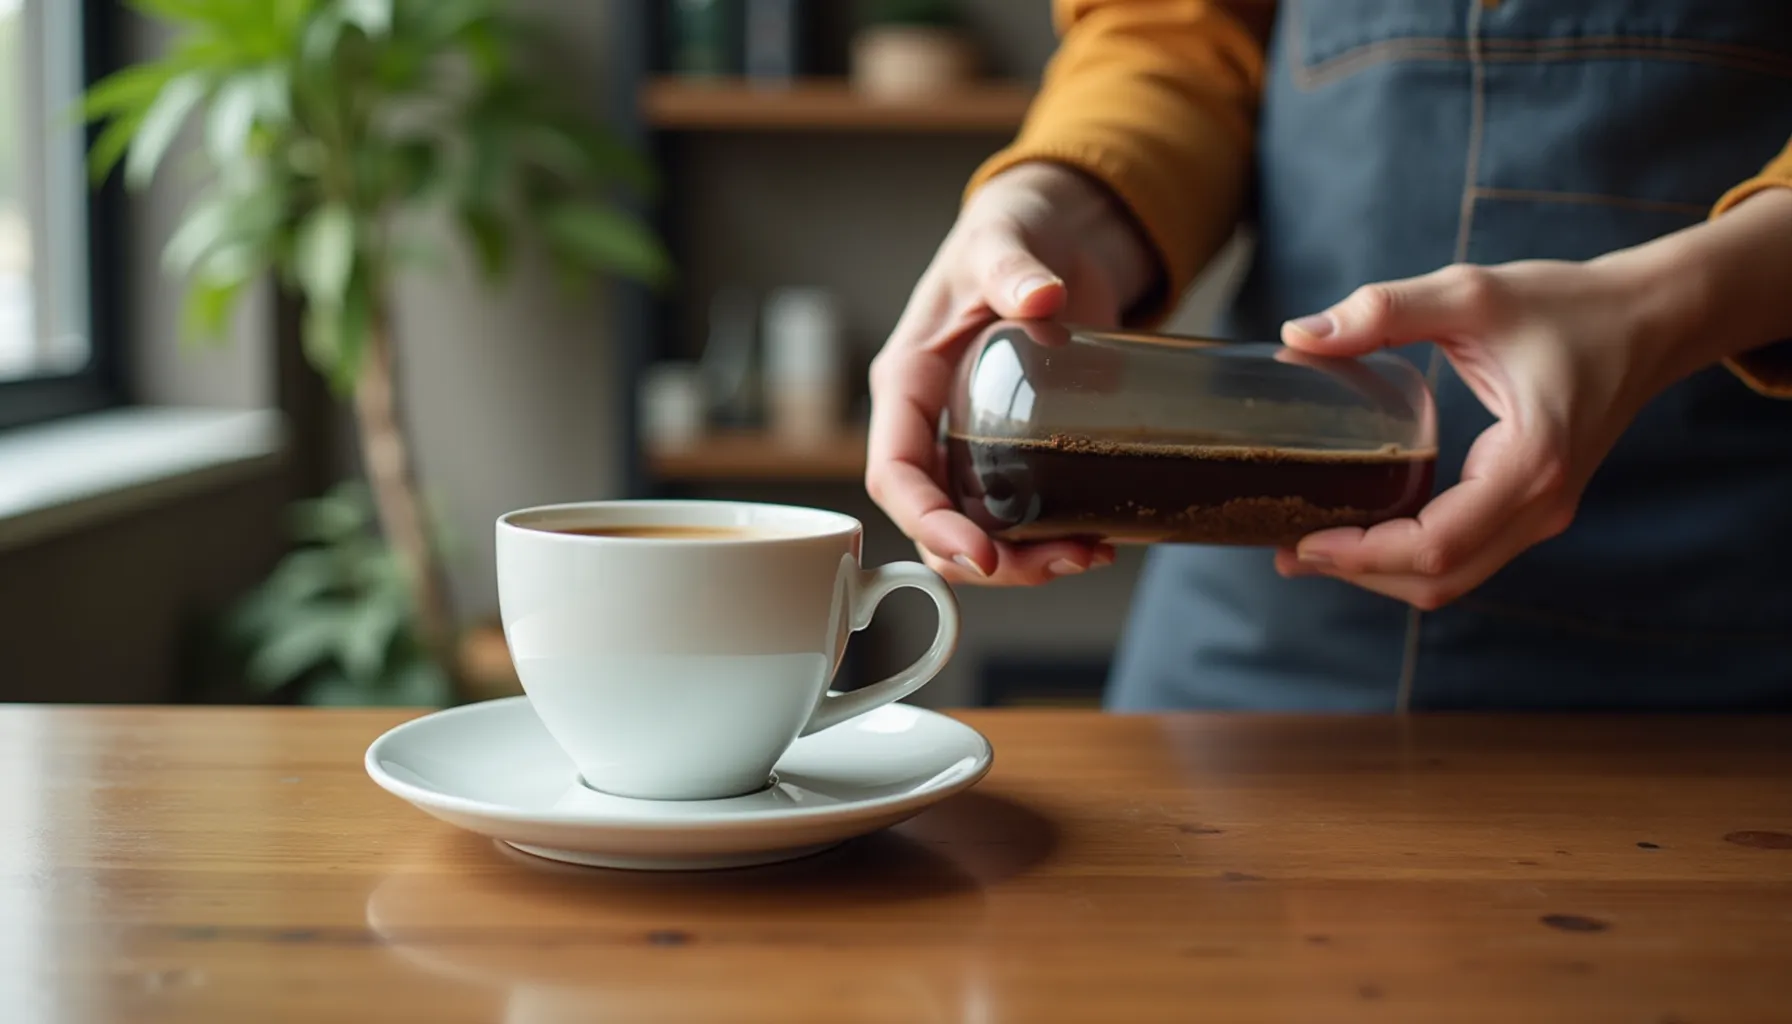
491	768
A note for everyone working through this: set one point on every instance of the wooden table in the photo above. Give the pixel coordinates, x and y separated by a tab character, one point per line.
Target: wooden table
202	866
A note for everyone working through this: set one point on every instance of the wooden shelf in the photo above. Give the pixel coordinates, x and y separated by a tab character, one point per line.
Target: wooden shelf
824	104
748	455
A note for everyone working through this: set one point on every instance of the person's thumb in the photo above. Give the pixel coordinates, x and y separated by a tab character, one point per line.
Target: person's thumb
1014	282
1428	308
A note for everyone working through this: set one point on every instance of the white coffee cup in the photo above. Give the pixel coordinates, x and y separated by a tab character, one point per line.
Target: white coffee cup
682	667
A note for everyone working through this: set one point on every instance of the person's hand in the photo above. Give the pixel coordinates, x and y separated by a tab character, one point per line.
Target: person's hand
1037	241
1564	355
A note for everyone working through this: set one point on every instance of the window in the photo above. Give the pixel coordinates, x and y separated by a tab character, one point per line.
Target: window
52	361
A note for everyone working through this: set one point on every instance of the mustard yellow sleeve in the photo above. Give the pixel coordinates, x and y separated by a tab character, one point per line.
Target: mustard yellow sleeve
1158	100
1768	370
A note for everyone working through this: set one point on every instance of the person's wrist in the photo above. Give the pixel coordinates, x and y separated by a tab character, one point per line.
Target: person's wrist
1102	223
1713	291
1666	303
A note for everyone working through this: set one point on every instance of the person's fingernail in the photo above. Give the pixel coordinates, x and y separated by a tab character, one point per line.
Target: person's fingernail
964	562
1315	558
1029	285
1064	567
1318	325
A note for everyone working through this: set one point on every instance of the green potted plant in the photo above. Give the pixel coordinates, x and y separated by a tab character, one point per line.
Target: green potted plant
911	50
332	130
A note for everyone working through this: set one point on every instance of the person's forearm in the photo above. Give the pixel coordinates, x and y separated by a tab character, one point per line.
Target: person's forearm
1720	290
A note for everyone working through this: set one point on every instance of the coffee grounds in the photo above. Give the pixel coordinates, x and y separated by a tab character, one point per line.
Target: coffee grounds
1198	493
1217	450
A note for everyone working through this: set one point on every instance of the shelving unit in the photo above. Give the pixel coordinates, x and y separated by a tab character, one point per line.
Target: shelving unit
746	456
651	108
826	104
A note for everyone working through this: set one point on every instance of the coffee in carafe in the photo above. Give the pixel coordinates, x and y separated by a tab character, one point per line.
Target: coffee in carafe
1132	438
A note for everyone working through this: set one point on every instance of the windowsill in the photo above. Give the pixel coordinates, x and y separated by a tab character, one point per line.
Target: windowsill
71	473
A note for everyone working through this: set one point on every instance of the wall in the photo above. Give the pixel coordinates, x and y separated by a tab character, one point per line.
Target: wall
115	611
508	388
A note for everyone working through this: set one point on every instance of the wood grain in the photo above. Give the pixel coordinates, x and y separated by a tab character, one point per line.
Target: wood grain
210	865
828	104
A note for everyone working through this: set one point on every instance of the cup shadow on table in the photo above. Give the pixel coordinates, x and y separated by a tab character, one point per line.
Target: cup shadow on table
960	845
481	911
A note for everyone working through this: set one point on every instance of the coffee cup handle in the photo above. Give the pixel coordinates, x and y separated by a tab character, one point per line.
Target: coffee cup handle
873	585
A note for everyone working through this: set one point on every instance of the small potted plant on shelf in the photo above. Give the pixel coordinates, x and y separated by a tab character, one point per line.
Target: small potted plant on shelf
336	133
912	49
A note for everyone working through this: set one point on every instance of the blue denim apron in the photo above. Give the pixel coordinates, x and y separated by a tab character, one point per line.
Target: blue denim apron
1398	136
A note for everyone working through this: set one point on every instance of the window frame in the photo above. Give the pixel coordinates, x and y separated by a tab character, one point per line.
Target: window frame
100	384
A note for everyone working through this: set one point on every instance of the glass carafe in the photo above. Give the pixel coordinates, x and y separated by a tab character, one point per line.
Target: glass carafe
1056	431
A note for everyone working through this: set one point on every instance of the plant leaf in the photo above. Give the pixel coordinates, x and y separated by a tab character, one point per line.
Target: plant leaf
621	162
161	122
490	237
335	337
485	50
273	94
207	308
341	513
305	574
374	17
318	45
205	227
247	218
399	68
419	684
487	160
307	638
601	238
378	620
440	20
300	578
235	263
216	285
324	254
585	157
357	322
130	90
231	116
413	168
111	144
321	337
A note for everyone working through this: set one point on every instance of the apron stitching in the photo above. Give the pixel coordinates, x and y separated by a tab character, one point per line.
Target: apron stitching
1409	661
1535	195
1477	124
1758	67
1339	66
1333	69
